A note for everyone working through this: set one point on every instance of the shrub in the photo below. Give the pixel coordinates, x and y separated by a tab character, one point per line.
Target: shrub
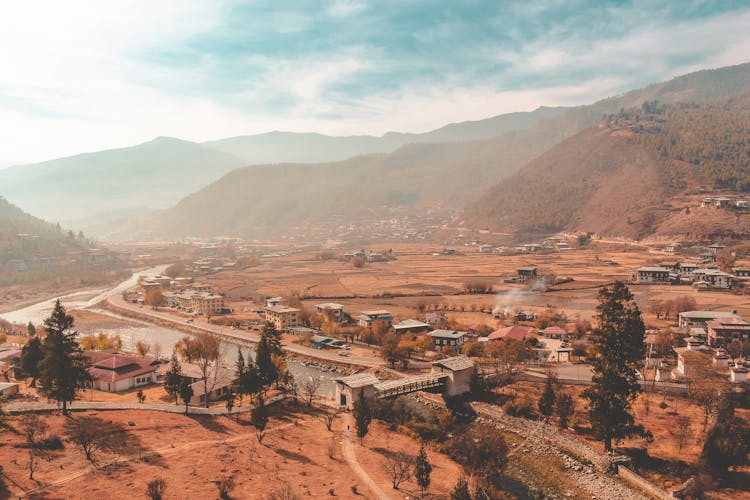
519	407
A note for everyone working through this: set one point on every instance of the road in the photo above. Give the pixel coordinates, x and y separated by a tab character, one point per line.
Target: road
351	459
243	336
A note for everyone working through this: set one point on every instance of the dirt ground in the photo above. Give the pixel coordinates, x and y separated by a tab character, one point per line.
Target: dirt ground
192	452
670	466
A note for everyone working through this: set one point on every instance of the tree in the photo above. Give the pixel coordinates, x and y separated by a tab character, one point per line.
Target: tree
389	350
154	298
548	398
205	351
328	419
362	415
230	401
31	329
140	396
397	465
93	435
63	369
422	470
482	451
461	491
310	389
225	486
727	442
246	381
34	428
274	338
617	355
186	392
707	389
681	431
173	378
156	488
259	418
31	355
142	348
267	374
477	384
564	409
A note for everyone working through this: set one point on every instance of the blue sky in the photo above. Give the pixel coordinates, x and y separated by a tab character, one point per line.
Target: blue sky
81	76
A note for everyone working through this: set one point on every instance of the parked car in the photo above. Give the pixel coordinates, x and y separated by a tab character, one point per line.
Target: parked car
343	353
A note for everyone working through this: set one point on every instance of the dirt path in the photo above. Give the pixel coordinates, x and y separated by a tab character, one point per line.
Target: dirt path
351	459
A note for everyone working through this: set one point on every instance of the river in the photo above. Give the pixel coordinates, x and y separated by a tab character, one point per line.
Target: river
161	340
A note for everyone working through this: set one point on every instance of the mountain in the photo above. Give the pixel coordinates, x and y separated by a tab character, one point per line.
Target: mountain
98	191
289	147
262	200
23	235
154	174
640	172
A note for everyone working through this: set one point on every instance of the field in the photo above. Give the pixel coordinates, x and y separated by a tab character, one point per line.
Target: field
419	277
191	453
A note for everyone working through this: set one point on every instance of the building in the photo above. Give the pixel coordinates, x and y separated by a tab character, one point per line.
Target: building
219	383
434	318
112	371
723	331
8	389
411	326
459	369
274	301
741	272
525	316
283	316
707	202
715	248
714	278
698	319
203	303
349	388
526	274
367	318
554	332
691	361
332	310
509	332
10	361
653	275
447	338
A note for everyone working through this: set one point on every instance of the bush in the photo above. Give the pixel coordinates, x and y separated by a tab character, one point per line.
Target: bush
519	407
51	443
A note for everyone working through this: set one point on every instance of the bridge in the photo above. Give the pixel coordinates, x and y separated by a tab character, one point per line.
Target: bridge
451	375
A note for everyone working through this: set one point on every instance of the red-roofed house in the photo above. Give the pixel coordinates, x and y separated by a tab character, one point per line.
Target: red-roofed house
114	372
509	332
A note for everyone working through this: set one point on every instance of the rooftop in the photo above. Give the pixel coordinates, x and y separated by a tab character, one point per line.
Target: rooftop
359	380
455	363
329	305
509	332
281	309
410	323
446	334
708	314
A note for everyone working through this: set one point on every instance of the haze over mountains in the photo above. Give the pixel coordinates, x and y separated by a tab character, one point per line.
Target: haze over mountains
204	189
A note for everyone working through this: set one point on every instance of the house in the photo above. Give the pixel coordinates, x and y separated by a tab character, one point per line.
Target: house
554	332
282	316
687	269
434	318
741	272
698	319
715	278
653	275
723	331
447	338
10	361
525	316
375	257
526	274
707	202
459	369
715	248
411	326
690	362
486	249
509	332
331	310
219	384
740	204
673	248
738	374
722	202
199	302
367	318
112	371
274	301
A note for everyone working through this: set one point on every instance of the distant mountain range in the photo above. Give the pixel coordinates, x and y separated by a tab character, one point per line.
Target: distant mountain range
584	163
98	190
582	168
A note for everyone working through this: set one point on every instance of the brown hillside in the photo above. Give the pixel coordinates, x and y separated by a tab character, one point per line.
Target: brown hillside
586	182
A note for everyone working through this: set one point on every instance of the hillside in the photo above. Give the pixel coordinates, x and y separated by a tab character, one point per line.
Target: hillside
23	235
631	175
263	200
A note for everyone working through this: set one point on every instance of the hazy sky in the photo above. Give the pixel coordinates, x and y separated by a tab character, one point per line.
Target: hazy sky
81	76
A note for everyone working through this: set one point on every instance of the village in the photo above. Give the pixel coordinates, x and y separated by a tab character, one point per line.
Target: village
517	316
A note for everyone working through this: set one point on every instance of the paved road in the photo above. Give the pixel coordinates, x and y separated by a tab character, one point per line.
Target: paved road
101	405
244	336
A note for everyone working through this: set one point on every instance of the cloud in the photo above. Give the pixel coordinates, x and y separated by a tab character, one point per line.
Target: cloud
79	78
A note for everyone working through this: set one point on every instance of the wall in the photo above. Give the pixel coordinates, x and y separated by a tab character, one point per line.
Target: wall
641	483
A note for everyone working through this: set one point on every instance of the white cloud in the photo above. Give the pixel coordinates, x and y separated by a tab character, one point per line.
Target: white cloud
345	8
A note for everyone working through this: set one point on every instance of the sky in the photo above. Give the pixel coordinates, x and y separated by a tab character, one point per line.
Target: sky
80	76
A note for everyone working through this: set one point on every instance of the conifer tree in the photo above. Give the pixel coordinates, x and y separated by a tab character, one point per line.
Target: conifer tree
362	415
31	355
173	378
548	398
422	470
461	491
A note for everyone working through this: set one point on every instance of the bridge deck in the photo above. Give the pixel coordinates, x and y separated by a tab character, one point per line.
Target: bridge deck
390	388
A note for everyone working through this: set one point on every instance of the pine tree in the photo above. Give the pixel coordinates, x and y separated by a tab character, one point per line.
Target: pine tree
63	369
31	356
264	362
362	415
274	338
31	329
477	384
617	354
727	442
173	378
422	470
186	391
547	399
259	417
461	491
564	409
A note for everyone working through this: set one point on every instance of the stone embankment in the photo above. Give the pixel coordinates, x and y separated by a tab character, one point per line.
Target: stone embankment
589	468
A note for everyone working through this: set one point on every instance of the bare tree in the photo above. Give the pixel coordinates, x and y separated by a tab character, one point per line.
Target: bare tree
225	486
34	429
204	351
681	431
94	435
328	419
398	466
310	389
142	348
283	492
156	488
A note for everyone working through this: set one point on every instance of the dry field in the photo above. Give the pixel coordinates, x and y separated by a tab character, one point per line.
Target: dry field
191	453
417	276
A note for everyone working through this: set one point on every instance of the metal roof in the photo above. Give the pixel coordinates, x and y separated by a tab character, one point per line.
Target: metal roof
359	380
455	363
